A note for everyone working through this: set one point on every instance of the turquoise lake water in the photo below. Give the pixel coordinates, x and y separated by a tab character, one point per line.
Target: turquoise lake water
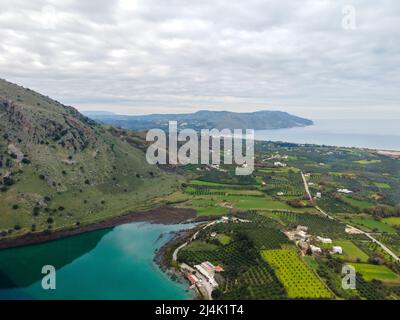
105	264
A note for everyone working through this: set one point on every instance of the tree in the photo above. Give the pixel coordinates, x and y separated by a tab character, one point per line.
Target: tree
36	211
7	181
216	294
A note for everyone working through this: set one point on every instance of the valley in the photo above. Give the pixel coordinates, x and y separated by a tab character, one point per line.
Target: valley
286	231
348	221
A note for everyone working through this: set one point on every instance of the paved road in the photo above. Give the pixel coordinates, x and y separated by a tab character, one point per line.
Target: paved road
391	253
386	249
175	254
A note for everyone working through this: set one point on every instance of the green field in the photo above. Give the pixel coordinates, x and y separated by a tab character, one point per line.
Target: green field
377	272
310	262
351	252
211	184
362	204
382	185
373	225
253	203
211	211
393	221
200	246
297	278
367	162
223	238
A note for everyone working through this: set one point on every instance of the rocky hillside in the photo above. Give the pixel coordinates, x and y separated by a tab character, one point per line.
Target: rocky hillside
58	168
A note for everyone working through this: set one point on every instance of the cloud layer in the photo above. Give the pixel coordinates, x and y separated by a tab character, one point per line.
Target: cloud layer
143	56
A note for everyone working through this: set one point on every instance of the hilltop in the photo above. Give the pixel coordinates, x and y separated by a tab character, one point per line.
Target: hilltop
260	120
60	169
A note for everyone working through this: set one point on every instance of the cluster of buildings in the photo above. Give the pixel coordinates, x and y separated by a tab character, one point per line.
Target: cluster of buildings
279	164
278	156
306	241
206	271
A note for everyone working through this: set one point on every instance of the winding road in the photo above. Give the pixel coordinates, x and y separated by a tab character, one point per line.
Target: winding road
386	249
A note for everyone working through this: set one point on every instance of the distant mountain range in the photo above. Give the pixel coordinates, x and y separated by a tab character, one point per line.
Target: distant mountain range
260	120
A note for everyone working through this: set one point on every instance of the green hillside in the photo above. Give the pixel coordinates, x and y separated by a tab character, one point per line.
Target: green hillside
59	168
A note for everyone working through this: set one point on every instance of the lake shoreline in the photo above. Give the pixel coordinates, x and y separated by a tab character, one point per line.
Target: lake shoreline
162	215
163	257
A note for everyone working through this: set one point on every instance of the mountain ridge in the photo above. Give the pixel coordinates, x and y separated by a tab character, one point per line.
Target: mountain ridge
60	169
205	119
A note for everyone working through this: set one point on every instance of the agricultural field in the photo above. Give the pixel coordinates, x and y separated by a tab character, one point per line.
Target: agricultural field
317	224
367	162
297	278
223	238
351	252
392	221
376	272
392	241
373	225
215	199
260	261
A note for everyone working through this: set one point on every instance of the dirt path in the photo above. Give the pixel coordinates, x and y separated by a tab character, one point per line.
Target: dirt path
306	186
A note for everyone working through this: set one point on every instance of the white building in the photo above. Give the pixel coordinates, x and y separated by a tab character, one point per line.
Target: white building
324	240
301	234
204	271
302	228
346	191
337	250
315	249
318	195
279	164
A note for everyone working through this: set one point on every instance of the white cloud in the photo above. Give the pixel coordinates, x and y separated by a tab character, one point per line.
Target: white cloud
146	56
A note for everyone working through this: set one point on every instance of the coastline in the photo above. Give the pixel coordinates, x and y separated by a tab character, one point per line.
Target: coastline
163	259
161	215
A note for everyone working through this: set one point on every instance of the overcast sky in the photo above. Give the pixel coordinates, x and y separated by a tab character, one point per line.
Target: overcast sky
310	58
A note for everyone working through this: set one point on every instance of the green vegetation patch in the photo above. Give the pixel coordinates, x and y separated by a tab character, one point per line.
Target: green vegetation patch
376	272
200	246
223	238
252	203
296	277
351	252
367	162
373	225
362	204
382	185
393	221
